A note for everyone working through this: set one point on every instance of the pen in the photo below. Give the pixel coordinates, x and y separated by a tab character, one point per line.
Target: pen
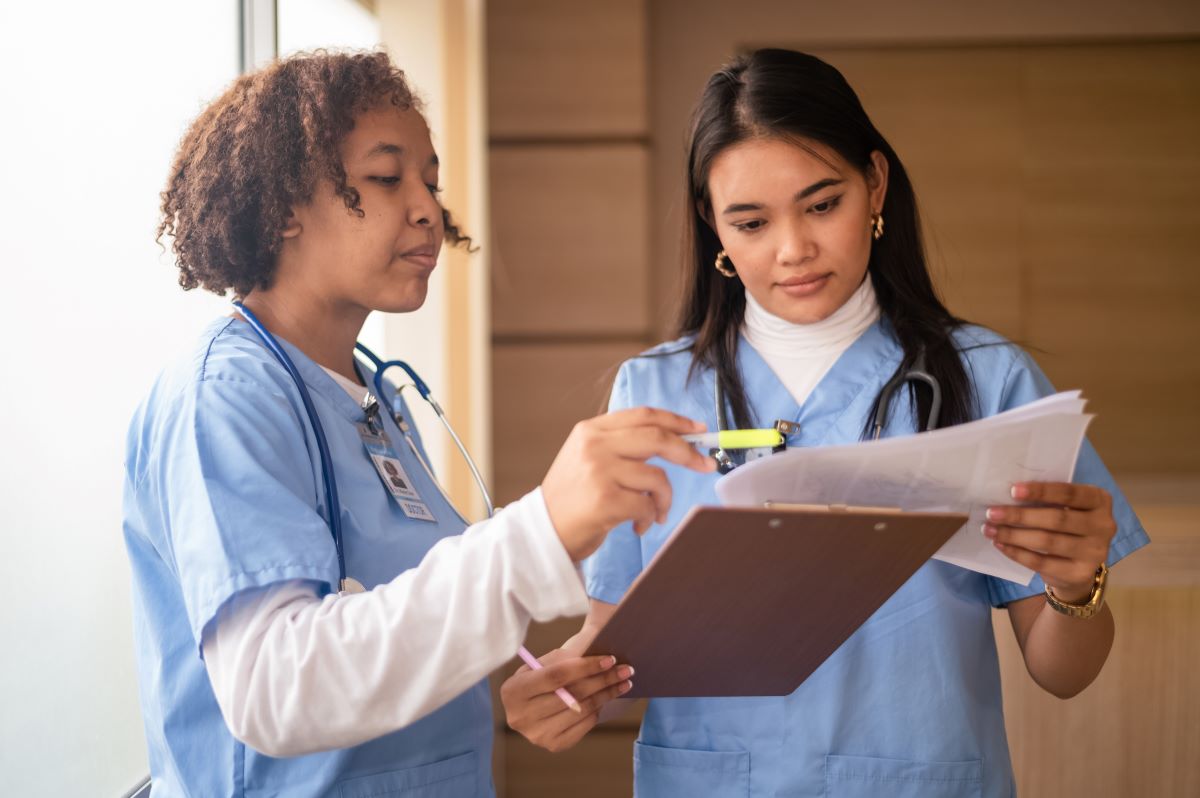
736	439
561	692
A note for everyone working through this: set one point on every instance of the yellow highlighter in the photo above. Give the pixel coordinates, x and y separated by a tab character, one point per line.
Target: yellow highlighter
737	439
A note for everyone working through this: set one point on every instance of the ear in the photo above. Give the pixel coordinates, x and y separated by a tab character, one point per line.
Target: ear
704	211
291	228
877	180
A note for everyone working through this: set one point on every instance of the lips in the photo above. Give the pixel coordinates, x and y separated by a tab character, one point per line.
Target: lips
424	256
803	285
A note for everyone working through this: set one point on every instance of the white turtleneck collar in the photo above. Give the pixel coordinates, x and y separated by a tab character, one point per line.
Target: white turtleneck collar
801	354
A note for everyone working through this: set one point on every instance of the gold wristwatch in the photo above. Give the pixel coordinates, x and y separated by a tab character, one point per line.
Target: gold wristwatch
1088	608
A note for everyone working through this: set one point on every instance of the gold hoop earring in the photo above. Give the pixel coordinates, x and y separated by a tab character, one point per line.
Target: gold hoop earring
877	225
720	266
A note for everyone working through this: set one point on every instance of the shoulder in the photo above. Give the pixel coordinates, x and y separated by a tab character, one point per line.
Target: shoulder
225	352
223	365
659	376
667	362
1003	374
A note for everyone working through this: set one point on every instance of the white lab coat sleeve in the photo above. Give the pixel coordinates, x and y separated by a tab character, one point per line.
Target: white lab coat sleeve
294	673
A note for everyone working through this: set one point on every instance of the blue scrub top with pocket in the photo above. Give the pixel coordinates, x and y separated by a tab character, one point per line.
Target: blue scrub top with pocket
910	705
223	493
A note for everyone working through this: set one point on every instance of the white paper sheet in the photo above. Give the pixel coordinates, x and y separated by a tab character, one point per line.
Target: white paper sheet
965	468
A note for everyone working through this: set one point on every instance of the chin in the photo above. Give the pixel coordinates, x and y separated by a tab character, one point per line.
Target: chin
411	298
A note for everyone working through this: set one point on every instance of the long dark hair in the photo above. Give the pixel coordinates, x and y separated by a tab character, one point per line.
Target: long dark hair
800	97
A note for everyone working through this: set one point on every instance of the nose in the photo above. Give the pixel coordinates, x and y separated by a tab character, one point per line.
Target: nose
423	208
796	245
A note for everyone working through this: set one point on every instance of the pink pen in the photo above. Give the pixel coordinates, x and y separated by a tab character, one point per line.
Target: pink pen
561	692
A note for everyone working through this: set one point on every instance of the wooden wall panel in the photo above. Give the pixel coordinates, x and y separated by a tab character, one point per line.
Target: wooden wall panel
539	392
1141	717
1136	729
1060	187
568	114
571	240
955	121
1112	204
566	69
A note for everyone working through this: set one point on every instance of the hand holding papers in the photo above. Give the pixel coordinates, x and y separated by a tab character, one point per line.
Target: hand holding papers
964	468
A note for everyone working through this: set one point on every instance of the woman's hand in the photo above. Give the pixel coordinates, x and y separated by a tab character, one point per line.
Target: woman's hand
1064	539
532	708
600	478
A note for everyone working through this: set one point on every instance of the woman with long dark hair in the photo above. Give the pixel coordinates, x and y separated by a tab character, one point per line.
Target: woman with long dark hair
807	292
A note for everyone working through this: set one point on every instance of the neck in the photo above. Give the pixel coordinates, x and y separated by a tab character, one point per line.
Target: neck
770	334
325	331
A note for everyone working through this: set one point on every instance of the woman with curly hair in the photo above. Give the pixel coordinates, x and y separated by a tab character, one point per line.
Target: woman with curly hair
309	191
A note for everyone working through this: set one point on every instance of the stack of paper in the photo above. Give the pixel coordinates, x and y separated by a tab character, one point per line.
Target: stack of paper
966	468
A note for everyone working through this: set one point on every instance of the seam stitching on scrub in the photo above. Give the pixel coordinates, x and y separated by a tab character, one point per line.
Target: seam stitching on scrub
211	612
1012	366
837	420
208	351
152	454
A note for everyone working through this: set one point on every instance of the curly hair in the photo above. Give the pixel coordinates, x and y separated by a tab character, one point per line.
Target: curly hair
258	151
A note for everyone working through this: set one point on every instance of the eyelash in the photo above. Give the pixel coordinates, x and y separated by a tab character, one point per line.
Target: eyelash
755	225
391	181
832	203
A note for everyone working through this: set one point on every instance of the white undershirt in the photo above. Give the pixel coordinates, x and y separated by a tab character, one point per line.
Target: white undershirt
294	673
801	354
356	391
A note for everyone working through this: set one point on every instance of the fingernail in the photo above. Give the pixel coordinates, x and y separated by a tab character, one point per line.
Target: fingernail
995	514
608	662
989	531
624	672
1020	491
626	687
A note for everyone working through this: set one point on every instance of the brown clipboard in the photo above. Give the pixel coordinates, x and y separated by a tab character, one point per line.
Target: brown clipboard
751	601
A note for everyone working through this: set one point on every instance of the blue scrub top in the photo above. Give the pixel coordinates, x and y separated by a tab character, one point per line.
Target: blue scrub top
910	705
223	493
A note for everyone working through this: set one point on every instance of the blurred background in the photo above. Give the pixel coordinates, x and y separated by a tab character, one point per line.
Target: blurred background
1053	147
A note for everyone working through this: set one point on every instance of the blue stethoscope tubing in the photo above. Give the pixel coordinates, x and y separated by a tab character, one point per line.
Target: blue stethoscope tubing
423	389
327	474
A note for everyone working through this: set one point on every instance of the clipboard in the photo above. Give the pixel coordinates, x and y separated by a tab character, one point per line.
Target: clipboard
749	601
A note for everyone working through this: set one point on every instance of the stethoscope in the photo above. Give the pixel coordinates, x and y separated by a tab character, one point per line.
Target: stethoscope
371	408
918	372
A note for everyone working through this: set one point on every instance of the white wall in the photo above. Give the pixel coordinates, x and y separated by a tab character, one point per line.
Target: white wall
94	102
95	99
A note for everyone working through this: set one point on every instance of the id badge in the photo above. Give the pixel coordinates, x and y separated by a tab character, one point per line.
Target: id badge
391	472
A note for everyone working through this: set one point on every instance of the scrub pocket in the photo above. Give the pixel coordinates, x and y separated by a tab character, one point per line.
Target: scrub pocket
667	772
868	777
451	778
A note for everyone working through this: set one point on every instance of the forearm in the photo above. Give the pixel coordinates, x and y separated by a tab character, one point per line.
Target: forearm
1063	654
309	674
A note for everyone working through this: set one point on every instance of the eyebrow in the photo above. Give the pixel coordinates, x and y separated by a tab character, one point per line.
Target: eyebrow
385	148
802	194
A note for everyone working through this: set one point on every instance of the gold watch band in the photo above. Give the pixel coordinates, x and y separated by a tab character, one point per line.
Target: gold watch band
1088	608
